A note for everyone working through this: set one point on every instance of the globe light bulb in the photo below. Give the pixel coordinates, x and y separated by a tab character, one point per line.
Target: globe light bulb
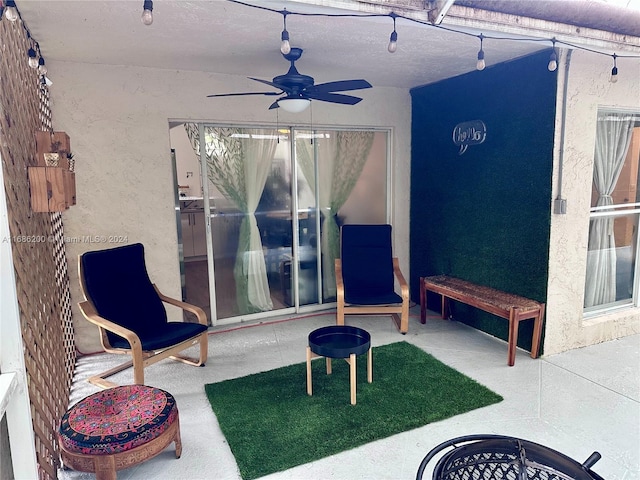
10	11
33	59
480	65
42	68
553	62
147	17
614	75
285	46
147	13
393	42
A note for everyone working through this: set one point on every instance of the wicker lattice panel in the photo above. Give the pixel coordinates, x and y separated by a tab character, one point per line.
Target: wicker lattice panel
42	281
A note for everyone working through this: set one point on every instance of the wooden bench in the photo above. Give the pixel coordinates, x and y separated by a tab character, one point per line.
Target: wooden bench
505	305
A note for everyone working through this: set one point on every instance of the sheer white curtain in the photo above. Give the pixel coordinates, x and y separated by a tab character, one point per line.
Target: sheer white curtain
613	137
341	158
238	164
258	152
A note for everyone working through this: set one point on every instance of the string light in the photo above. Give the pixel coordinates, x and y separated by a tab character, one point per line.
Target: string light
392	47
11	13
553	59
285	46
147	12
42	68
480	64
393	39
10	10
33	59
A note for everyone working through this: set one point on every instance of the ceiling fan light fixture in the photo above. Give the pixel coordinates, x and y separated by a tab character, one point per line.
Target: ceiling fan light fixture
294	105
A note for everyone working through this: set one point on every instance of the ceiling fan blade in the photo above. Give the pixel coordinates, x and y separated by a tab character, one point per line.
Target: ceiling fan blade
332	97
340	86
244	93
274	105
275	85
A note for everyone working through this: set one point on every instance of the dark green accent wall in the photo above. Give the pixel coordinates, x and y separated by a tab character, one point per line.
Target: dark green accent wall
484	216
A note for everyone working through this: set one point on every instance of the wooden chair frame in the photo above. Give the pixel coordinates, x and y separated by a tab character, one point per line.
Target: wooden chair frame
140	359
399	313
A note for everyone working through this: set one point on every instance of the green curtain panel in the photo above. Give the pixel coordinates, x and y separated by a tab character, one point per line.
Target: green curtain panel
238	163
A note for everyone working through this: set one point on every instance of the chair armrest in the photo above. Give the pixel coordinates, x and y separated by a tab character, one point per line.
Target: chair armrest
197	311
404	287
339	280
90	313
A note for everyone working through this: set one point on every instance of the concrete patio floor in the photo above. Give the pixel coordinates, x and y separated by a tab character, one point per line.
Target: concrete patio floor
576	402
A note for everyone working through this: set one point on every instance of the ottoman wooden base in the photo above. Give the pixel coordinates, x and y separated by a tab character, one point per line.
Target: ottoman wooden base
105	466
118	428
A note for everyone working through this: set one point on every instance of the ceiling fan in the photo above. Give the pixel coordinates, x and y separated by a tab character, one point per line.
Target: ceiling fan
298	90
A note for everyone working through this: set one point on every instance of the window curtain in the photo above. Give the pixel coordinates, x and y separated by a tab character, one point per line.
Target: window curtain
613	137
341	158
238	163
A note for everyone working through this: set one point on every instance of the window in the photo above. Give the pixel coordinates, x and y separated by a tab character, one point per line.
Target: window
611	277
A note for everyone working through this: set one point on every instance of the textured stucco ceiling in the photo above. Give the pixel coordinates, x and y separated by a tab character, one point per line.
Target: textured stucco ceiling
229	38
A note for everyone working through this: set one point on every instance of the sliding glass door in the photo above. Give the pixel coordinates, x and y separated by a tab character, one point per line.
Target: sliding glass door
276	199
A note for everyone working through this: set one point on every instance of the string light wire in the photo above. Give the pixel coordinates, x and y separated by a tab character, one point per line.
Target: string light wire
482	37
11	13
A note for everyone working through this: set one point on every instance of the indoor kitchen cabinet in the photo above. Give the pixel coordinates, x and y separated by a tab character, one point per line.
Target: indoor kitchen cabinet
194	231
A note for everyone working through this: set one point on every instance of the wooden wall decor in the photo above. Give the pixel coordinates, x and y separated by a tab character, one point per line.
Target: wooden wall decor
42	279
52	183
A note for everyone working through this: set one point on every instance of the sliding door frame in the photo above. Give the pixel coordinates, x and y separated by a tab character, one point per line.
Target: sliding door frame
291	129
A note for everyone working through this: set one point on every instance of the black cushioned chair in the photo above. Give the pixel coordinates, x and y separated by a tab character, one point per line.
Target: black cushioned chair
365	275
129	312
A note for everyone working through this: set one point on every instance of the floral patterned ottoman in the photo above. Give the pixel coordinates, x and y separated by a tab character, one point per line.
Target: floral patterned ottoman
118	428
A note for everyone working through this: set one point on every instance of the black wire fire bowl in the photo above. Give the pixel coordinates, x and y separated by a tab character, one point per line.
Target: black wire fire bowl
497	457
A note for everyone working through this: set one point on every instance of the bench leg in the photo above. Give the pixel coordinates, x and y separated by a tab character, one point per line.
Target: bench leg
513	337
444	307
537	333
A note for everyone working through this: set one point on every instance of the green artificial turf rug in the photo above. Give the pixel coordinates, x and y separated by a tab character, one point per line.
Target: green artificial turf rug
271	424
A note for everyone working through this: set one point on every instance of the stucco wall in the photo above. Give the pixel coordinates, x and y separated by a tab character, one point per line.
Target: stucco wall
118	121
588	88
